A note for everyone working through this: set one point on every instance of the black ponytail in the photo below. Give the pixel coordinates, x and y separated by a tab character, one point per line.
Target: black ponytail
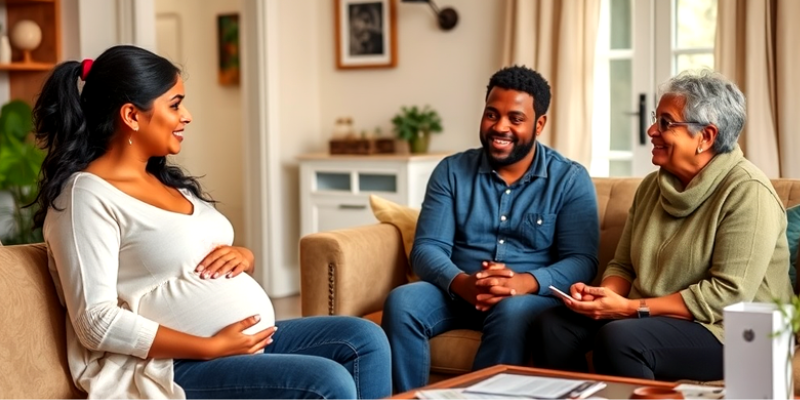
75	127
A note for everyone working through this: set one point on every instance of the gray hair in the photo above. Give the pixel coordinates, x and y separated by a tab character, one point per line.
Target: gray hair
710	99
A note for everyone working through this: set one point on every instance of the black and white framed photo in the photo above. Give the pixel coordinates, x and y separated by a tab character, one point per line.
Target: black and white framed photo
366	35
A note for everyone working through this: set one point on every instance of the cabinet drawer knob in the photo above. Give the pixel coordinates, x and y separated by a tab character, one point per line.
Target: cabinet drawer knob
352	206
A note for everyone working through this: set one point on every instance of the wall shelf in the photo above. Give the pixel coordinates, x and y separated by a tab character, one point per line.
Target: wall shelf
33	67
25	79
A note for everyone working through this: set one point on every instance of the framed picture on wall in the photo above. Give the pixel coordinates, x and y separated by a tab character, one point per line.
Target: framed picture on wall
228	48
366	34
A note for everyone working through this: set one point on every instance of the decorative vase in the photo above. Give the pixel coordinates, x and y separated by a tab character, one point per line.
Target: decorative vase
759	346
26	36
5	50
420	142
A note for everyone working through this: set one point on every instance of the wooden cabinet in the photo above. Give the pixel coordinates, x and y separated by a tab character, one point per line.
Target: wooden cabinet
26	78
335	189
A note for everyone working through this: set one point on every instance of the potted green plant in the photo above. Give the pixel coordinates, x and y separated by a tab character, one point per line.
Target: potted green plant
415	126
20	161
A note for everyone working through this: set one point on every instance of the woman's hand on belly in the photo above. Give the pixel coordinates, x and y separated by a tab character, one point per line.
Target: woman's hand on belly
227	261
232	340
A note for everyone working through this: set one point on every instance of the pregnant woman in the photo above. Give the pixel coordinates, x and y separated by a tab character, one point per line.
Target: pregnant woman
160	304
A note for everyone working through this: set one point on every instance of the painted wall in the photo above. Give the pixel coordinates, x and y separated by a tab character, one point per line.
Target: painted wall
186	33
448	70
104	23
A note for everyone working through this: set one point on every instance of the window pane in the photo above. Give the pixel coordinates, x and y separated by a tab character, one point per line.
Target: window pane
694	62
620	168
620	24
620	104
696	23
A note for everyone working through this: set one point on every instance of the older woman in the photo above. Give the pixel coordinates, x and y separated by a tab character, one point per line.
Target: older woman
704	231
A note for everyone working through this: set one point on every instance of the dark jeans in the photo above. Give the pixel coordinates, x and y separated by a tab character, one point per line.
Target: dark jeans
418	311
312	357
660	348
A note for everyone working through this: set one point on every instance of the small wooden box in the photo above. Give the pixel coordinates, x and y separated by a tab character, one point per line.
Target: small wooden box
368	146
352	146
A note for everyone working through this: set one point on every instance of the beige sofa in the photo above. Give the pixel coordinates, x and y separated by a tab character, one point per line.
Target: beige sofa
33	355
351	271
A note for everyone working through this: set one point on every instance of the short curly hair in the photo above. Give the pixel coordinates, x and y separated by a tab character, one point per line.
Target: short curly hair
523	79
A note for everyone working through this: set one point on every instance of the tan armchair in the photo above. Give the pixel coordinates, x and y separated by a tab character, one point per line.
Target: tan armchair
351	271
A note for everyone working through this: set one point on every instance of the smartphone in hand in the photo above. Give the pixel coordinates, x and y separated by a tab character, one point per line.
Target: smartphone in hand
561	294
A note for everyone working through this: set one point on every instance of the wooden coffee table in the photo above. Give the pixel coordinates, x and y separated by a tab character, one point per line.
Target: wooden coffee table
618	388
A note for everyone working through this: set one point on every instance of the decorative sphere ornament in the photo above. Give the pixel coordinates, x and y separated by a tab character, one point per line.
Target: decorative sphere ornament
26	36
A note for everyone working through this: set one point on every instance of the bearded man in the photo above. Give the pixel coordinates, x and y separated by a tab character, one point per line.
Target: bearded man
498	226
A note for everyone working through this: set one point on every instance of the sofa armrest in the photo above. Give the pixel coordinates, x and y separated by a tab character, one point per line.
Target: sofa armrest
350	271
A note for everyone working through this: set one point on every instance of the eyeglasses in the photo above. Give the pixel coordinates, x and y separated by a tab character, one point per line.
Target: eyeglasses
664	124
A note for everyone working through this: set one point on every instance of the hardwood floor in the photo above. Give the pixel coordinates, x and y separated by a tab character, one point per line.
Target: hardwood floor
287	307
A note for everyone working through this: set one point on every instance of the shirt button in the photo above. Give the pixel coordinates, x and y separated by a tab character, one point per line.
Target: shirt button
508	191
502	241
503	218
539	221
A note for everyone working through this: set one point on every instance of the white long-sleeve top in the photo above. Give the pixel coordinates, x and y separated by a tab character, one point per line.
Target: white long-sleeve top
123	267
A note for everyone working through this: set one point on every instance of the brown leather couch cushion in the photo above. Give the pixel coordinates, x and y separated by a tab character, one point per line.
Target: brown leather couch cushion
33	355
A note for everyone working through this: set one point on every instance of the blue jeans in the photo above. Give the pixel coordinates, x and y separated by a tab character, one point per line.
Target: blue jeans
418	311
310	358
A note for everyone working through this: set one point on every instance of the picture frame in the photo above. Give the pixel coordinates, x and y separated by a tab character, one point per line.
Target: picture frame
228	49
366	34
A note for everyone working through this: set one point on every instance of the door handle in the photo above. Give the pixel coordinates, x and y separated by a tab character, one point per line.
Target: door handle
352	206
642	118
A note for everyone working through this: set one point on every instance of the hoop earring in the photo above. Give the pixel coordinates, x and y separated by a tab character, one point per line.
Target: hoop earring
699	150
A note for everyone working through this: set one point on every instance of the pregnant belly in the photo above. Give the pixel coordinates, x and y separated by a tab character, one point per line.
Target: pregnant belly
202	307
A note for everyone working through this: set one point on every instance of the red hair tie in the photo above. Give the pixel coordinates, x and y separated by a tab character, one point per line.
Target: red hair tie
86	65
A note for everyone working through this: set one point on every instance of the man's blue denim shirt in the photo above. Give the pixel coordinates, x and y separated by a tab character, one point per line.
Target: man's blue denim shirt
546	223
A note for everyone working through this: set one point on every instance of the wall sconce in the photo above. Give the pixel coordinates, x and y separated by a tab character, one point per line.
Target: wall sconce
448	17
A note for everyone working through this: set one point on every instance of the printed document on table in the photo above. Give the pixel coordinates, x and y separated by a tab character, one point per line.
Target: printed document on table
527	386
460	394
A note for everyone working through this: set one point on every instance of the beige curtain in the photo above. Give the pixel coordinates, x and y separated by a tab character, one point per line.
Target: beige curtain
557	39
757	47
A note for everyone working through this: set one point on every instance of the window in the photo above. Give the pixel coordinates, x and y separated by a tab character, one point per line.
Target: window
640	44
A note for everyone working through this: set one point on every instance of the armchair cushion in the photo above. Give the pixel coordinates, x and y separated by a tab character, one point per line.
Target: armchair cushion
403	218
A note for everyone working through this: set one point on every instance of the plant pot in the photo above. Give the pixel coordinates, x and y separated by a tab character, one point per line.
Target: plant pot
419	143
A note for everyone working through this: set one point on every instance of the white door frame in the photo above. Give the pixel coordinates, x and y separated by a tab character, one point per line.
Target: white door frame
260	79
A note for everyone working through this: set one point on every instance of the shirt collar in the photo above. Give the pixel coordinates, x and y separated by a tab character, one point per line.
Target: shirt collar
538	167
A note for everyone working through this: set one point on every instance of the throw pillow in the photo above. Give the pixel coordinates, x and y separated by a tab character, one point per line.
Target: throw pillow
793	235
402	217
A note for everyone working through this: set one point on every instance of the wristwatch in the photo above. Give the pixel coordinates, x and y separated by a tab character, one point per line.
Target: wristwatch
643	311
